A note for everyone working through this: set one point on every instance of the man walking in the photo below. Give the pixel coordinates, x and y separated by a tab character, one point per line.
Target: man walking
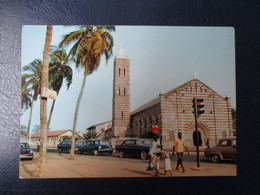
179	146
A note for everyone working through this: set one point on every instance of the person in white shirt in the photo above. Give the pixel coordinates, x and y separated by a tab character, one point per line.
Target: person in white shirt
167	164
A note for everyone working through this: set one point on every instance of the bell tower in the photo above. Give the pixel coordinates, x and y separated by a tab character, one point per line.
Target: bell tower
121	95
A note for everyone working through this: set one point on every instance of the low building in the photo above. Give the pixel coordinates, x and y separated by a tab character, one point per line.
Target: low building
54	137
101	129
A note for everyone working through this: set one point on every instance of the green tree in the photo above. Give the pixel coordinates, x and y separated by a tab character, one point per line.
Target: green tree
90	43
36	129
91	135
31	82
43	103
58	71
26	97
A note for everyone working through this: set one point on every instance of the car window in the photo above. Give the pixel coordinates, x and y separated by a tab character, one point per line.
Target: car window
127	143
226	143
24	145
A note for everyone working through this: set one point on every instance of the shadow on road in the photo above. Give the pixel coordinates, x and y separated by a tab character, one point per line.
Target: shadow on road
145	173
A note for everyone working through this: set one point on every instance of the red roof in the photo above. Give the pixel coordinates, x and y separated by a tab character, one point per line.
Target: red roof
50	134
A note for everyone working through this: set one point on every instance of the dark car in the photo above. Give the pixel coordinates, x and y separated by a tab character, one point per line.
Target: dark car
226	149
65	145
96	147
25	151
134	147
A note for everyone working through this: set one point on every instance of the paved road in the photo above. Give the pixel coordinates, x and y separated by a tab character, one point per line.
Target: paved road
58	165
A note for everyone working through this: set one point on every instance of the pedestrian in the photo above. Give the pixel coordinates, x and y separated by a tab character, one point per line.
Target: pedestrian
38	144
179	146
155	153
167	164
207	143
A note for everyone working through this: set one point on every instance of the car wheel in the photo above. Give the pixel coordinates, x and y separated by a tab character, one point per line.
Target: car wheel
121	154
143	155
60	150
95	152
215	158
81	152
110	153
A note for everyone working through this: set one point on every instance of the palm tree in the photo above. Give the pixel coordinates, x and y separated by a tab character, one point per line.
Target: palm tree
57	72
43	105
90	43
91	135
26	97
31	81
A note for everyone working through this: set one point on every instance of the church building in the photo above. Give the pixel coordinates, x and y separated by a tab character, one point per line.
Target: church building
172	111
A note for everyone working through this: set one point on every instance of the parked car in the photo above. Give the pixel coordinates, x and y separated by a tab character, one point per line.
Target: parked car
65	145
25	151
134	147
226	149
95	146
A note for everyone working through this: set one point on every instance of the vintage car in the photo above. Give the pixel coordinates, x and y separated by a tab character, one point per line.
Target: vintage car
65	145
25	151
134	147
96	147
226	149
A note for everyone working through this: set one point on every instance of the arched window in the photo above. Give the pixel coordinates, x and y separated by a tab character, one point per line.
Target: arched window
124	71
124	90
119	91
195	138
122	114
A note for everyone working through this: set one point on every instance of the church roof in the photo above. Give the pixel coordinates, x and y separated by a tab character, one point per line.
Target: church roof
157	100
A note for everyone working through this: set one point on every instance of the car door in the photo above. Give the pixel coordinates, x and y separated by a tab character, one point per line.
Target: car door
226	149
126	147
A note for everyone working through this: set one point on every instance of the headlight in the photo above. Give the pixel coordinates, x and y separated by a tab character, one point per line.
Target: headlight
31	152
99	147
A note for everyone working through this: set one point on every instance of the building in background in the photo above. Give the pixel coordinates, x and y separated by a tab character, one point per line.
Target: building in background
55	137
172	111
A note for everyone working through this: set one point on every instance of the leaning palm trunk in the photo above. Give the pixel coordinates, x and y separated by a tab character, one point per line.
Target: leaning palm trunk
76	117
50	115
43	113
29	124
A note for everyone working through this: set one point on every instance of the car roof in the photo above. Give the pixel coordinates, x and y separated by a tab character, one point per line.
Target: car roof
92	139
228	138
137	139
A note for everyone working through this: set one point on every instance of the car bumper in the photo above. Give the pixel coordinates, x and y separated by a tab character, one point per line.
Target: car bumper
28	156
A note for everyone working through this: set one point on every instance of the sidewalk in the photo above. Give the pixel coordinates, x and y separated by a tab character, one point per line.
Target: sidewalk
88	166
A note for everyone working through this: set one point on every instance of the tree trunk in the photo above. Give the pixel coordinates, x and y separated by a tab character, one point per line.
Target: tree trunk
29	124
43	113
76	117
50	115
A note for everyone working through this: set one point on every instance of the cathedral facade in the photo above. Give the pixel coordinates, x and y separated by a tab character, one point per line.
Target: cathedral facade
172	111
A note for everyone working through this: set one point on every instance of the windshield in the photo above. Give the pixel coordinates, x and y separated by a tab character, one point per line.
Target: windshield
24	145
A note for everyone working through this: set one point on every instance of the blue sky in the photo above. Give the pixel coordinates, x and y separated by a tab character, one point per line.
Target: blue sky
161	58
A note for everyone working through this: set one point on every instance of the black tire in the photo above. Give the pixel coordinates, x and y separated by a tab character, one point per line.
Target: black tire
95	152
121	154
143	155
215	158
60	150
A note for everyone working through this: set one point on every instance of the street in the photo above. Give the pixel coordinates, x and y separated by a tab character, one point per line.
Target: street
58	165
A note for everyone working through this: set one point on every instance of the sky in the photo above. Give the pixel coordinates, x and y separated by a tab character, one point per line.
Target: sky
161	59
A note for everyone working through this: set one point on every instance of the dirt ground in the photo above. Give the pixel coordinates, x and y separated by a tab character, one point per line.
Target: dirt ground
88	166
